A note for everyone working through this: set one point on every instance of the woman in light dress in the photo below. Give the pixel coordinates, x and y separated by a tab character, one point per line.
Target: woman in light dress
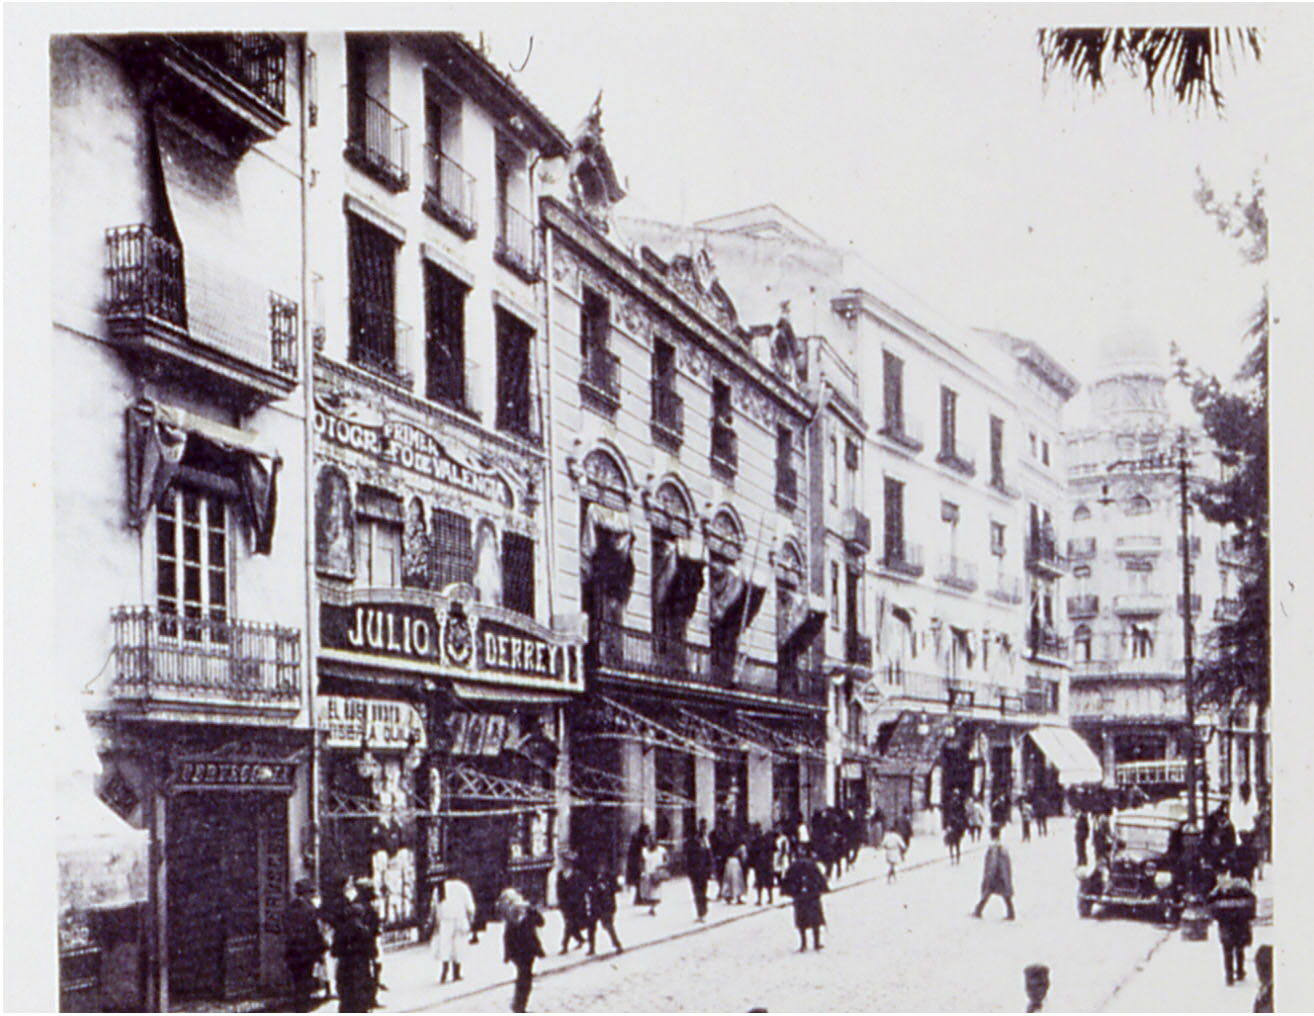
652	870
454	913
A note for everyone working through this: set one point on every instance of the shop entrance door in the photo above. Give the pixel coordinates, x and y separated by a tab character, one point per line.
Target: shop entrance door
226	886
479	851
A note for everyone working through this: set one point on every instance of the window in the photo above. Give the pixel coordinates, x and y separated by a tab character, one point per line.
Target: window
1031	438
191	559
949	516
1141	642
948	421
894	548
515	243
372	284
893	392
1044	453
1139	505
997	539
834	469
513	366
835	595
379	530
722	413
594	323
725	447
1081	639
851	463
376	139
663	363
1081	514
996	451
444	345
453	549
786	478
449	189
518	573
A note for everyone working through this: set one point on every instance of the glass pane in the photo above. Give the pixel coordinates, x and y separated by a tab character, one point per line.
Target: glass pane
164	536
216	548
192	584
191	543
166	581
191	506
218	587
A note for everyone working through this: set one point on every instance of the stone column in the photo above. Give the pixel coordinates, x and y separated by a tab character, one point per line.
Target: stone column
760	780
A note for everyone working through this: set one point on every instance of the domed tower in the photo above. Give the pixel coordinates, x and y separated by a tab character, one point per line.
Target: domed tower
1128	390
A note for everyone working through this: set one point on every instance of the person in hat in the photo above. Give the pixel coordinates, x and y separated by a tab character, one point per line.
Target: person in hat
303	943
804	883
602	905
453	908
365	897
1036	977
996	876
573	899
1233	906
353	948
699	861
520	943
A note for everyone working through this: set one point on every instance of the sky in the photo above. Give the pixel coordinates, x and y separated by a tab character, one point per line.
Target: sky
926	140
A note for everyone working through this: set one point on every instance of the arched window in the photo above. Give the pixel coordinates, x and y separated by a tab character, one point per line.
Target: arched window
1138	505
605	480
1081	514
1081	640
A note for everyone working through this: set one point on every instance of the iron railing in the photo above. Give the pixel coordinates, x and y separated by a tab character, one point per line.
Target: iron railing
449	193
857	530
376	141
1046	642
667	412
957	573
1082	549
1042	552
162	655
786	486
725	447
376	336
255	60
145	273
1139	603
516	246
283	331
904	557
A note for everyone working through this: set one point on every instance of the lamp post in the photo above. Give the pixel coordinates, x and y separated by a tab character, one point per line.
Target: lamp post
1179	409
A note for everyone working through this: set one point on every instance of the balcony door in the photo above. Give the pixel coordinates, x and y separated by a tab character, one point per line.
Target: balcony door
192	573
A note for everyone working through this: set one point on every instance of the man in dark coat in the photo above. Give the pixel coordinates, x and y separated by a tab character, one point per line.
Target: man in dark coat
904	827
521	947
573	899
996	876
634	858
365	897
1233	905
698	861
805	884
1081	830
303	943
761	858
602	907
354	946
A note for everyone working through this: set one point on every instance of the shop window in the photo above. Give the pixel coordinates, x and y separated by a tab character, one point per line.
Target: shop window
191	562
453	549
444	344
518	573
513	367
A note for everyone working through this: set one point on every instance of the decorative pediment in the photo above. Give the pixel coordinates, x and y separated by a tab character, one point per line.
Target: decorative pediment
695	280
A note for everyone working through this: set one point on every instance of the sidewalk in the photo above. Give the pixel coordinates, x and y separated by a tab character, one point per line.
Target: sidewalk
411	973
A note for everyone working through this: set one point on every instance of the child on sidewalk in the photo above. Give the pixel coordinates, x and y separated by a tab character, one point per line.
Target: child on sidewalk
894	847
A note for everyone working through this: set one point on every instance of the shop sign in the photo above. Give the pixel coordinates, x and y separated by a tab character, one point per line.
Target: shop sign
489	733
380	723
399	442
232	774
454	638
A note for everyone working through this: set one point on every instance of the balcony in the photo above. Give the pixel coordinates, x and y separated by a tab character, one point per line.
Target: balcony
1195	603
449	194
1002	487
1195	546
959	458
233	83
957	573
1007	589
1083	605
857	530
1227	608
1046	642
376	142
1140	543
1139	603
516	247
725	450
1083	549
1043	557
667	415
189	318
903	432
786	487
1229	553
173	667
903	557
857	649
599	381
376	335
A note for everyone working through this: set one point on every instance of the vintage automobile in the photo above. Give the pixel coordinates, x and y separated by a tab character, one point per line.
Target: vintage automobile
1144	871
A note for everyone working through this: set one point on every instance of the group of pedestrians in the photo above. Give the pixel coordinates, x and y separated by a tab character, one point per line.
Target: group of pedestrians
348	930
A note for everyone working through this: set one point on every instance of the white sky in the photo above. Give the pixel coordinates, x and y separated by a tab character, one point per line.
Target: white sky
925	139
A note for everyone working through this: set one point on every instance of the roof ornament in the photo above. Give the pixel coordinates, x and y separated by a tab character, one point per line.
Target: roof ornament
594	185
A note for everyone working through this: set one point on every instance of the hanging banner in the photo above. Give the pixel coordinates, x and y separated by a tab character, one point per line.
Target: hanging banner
380	723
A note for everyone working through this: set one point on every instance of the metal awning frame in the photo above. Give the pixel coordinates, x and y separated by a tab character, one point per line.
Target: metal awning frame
722	738
629	724
783	743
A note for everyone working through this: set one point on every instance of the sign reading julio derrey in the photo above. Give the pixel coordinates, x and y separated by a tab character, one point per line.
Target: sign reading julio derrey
454	638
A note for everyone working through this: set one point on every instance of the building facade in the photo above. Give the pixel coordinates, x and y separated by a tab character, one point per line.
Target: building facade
182	408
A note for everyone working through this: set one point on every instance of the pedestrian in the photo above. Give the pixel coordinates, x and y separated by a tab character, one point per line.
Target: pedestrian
1232	904
975	818
905	828
1036	977
953	838
1025	810
634	860
365	897
652	871
1245	858
1264	971
573	899
805	884
781	854
353	950
699	861
1081	830
894	848
762	860
996	876
1101	838
602	907
732	878
520	943
454	914
1042	813
303	943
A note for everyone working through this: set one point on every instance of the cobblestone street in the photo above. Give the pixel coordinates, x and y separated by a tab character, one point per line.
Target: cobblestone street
907	947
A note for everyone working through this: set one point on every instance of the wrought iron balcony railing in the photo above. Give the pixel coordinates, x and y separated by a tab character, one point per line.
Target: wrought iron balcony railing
204	662
903	557
1082	549
957	573
376	141
1139	603
198	315
786	486
667	414
1046	642
599	381
857	530
1042	555
1006	589
516	246
255	60
1083	605
725	448
1227	608
376	337
449	193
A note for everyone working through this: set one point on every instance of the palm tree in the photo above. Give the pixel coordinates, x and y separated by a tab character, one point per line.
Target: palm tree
1183	61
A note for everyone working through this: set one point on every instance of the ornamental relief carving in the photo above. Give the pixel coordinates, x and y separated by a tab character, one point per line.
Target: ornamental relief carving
565	269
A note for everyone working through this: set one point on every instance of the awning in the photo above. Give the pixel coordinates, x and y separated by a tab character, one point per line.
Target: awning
159	436
914	746
1069	753
794	741
618	720
606	548
722	738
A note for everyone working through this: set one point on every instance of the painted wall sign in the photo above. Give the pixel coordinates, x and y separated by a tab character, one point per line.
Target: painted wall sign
231	774
454	638
402	443
382	723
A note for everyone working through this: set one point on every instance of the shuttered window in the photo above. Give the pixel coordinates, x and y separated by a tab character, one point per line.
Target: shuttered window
444	346
893	375
518	573
372	282
453	548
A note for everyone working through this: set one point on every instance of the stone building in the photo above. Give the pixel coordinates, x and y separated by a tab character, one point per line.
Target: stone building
180	413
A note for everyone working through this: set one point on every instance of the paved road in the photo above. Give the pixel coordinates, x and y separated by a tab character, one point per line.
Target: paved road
907	947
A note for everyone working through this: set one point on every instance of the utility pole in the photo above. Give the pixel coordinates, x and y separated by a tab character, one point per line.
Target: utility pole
1188	624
